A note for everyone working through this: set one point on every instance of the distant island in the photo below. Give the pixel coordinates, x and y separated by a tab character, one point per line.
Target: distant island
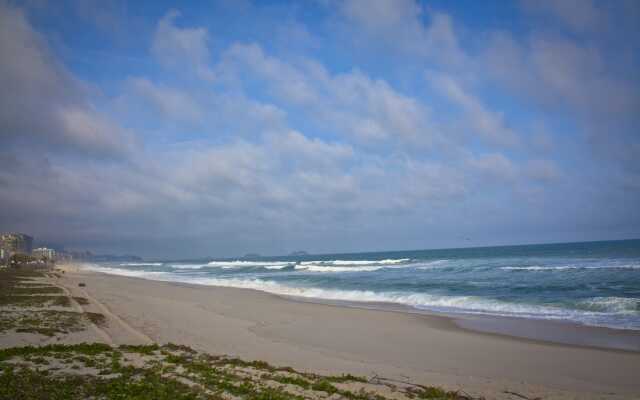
252	255
298	253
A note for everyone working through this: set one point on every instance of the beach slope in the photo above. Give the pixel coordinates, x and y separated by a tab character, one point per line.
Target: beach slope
332	339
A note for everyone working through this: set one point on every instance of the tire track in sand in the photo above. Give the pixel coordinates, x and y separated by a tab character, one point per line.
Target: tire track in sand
131	330
105	336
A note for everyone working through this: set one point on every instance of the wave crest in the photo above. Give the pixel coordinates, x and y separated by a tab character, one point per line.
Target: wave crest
142	264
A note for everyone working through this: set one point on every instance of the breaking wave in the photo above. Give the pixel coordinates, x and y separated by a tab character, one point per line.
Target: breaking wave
389	261
142	264
619	305
321	268
243	264
127	272
187	266
439	303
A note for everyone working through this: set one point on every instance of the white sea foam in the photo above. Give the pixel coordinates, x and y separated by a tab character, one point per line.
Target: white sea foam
277	266
451	304
618	305
417	300
322	268
352	265
141	264
245	264
188	266
389	261
156	275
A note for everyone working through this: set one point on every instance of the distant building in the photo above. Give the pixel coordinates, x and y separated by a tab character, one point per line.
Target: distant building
13	243
63	256
44	252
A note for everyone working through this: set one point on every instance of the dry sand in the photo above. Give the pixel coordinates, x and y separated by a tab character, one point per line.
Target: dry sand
331	339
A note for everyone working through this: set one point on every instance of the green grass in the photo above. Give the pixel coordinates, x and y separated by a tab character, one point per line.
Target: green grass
25	306
289	380
26	383
45	322
99	371
140	349
430	392
48	322
96	318
346	378
81	300
34	301
16	290
90	349
61	301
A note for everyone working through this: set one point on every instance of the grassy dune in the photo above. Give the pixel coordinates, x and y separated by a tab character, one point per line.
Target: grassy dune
177	372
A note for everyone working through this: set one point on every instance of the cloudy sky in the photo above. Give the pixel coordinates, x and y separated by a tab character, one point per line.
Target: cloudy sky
221	128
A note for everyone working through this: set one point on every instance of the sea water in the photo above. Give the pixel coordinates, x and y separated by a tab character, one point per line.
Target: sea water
594	283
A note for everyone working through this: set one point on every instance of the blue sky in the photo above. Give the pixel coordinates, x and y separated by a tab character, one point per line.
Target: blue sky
220	128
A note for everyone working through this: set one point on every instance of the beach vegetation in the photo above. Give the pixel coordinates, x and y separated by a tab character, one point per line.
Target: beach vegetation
47	322
171	371
431	392
346	378
81	300
289	380
96	318
146	349
33	301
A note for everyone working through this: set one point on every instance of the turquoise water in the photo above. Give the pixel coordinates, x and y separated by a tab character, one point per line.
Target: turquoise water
595	283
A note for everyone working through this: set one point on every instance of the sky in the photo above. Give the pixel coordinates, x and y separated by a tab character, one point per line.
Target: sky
219	128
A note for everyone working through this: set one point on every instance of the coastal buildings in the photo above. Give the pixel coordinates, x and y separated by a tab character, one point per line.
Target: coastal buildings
13	243
43	252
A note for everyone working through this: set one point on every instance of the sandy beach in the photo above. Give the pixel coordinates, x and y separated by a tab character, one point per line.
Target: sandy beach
332	339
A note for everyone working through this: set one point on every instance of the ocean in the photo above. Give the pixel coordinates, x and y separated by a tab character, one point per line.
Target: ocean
591	283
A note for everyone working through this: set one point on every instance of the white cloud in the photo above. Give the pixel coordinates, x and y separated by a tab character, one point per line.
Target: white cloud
294	144
175	46
286	146
431	183
352	103
488	124
399	24
495	165
170	102
89	130
542	170
555	70
579	15
43	104
384	15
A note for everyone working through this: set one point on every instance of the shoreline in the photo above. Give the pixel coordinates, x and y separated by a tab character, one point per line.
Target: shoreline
323	338
559	332
565	332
